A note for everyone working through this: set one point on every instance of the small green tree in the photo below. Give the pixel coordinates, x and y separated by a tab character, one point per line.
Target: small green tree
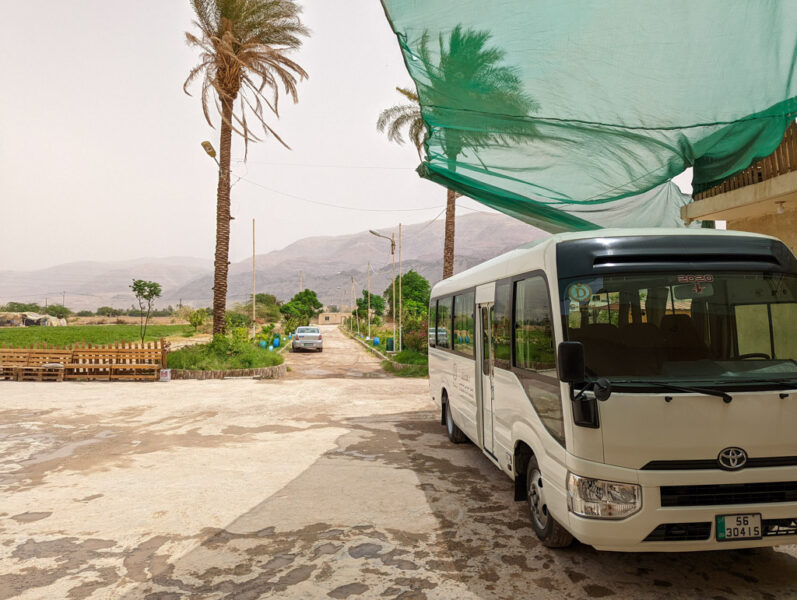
145	292
302	307
108	311
57	311
197	318
414	288
377	305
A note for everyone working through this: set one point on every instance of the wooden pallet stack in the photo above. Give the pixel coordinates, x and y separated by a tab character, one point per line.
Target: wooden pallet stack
84	362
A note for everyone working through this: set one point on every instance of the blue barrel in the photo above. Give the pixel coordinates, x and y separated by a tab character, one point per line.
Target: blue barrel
276	341
376	340
389	345
263	344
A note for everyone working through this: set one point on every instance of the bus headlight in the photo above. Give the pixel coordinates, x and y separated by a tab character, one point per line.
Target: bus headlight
599	499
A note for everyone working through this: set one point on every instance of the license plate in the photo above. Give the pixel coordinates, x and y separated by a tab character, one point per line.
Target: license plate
731	528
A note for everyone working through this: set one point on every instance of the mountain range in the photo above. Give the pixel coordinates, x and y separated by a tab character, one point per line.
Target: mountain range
326	264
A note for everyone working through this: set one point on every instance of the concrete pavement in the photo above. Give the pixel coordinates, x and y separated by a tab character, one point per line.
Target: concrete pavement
315	486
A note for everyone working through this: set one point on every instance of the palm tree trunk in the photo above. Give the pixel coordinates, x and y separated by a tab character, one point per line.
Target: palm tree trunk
448	247
221	263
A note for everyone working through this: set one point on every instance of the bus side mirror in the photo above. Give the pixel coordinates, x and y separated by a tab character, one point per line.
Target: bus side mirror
570	362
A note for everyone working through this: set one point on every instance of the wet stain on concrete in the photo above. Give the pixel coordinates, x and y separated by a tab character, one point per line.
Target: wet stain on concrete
480	542
29	517
365	551
348	590
597	591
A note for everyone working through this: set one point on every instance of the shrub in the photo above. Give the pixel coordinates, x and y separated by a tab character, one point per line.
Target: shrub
416	335
85	313
197	318
236	319
224	352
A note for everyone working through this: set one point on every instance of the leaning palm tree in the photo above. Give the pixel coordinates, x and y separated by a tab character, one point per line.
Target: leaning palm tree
408	116
243	63
464	77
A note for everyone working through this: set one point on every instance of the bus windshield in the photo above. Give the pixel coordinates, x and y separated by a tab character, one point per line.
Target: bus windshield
719	327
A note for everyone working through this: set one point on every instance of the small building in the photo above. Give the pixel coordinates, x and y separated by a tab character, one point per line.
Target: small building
331	318
760	199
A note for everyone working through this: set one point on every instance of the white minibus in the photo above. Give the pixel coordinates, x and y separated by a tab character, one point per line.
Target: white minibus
638	386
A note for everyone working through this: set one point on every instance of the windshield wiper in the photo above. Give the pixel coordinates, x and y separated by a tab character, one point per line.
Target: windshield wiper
676	388
789	383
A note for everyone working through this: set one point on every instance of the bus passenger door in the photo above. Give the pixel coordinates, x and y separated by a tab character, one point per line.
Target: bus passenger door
486	372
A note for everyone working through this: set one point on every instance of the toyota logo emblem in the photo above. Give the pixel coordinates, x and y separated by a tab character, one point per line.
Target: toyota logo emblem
732	458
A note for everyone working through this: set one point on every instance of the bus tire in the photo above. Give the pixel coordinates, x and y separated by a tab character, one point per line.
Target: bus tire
454	433
549	532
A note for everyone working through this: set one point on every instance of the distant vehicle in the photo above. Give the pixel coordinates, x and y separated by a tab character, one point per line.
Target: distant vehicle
308	338
438	333
639	386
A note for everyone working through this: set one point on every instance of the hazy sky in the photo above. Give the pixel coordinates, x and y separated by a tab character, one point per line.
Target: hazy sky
99	146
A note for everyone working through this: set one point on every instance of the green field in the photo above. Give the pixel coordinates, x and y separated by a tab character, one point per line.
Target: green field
91	334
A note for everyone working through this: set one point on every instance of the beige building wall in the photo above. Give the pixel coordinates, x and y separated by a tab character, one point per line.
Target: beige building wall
768	207
782	226
328	318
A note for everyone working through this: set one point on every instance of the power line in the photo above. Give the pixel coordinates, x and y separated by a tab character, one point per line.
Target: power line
329	204
317	166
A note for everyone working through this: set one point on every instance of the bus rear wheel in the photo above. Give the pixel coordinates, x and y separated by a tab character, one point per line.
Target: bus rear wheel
454	433
550	533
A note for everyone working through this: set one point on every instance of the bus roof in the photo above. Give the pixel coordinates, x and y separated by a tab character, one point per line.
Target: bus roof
516	261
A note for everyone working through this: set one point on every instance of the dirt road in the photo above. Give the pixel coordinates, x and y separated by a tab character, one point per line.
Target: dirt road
308	487
341	357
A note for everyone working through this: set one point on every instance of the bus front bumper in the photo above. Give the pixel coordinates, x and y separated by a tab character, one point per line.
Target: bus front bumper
672	520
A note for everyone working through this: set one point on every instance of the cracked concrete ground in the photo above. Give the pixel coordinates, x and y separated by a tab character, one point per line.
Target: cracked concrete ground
336	482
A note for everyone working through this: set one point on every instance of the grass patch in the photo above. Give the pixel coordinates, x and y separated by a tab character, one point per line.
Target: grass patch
222	354
91	334
411	357
408	371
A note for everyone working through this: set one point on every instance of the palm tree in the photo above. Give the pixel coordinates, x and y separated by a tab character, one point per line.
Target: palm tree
408	115
464	78
244	46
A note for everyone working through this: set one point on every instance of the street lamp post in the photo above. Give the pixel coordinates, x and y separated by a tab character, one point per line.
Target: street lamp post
392	240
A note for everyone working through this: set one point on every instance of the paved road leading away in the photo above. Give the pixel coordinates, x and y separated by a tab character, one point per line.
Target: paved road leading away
341	357
300	488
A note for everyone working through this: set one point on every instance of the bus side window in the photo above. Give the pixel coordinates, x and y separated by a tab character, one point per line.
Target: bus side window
502	325
443	323
535	362
463	323
432	323
534	348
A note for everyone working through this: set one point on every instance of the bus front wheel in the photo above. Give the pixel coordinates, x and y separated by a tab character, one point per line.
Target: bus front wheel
454	433
550	533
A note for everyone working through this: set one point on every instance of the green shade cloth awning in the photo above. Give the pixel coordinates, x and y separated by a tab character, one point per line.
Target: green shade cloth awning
577	114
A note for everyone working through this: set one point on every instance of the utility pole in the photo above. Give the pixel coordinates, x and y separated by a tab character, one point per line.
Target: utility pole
393	256
401	277
369	299
253	278
354	309
392	240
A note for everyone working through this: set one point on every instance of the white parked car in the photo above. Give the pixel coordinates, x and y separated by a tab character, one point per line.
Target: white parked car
308	338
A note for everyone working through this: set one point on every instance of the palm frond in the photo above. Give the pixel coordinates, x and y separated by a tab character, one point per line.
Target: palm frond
395	119
244	53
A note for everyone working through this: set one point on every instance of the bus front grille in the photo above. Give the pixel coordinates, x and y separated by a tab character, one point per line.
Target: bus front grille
724	494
